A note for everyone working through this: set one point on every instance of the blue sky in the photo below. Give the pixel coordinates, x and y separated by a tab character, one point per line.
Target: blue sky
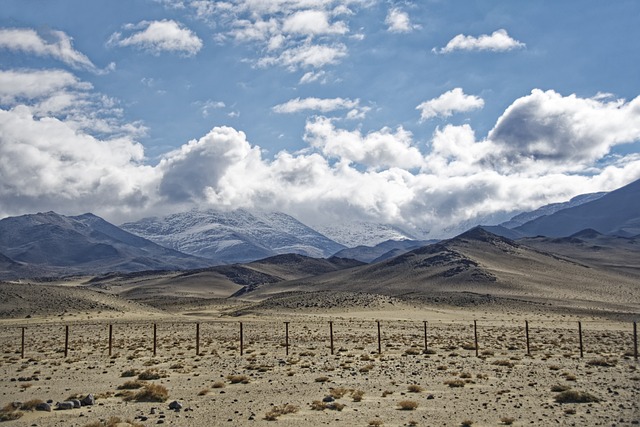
420	114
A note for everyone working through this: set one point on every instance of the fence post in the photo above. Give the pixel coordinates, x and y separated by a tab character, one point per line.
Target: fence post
475	335
331	335
635	340
241	340
197	338
110	339
22	346
379	339
526	330
426	346
155	338
286	337
66	340
580	335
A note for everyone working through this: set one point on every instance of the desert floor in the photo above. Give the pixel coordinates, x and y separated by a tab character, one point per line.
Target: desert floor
448	385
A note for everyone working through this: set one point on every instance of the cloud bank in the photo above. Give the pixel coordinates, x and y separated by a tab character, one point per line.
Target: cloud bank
453	101
545	147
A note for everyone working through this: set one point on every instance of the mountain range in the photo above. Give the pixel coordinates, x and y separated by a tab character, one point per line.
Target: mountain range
49	244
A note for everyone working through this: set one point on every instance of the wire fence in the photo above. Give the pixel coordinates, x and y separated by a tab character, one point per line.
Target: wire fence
290	337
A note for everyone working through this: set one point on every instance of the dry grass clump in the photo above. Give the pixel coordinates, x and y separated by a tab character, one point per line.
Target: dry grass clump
338	392
575	396
357	395
277	411
607	363
129	373
558	388
376	423
30	405
507	420
504	362
113	422
455	383
151	374
466	423
407	405
131	385
218	384
414	388
322	379
204	392
150	393
10	412
319	405
238	379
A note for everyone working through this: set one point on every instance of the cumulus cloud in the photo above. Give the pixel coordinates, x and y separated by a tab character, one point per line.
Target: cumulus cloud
559	132
545	148
294	34
453	101
54	43
312	22
159	36
398	21
498	41
377	150
32	84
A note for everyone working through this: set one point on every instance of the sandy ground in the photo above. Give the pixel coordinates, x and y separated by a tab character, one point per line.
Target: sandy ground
448	384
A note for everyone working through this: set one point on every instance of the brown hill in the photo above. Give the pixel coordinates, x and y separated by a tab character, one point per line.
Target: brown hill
481	263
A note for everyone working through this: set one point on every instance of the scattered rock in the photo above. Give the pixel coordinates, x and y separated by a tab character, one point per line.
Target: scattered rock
43	407
89	400
76	403
175	405
63	406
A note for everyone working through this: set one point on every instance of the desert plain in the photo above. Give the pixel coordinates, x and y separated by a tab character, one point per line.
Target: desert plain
393	362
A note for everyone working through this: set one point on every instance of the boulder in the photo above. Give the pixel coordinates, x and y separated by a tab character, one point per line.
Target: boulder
89	400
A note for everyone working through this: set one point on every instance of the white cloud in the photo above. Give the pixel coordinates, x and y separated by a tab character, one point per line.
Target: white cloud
159	36
206	107
323	105
453	101
314	76
498	41
307	56
33	84
312	22
376	150
398	21
55	44
562	133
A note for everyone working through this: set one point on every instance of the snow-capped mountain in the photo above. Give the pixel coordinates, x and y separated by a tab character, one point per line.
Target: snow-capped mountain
234	236
550	209
362	233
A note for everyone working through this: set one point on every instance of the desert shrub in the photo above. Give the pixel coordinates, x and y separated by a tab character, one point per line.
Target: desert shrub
414	388
575	396
30	405
151	374
507	420
203	392
129	373
386	393
218	384
503	362
150	393
131	385
238	379
466	423
318	405
454	383
338	392
357	395
602	362
376	423
407	405
558	388
322	379
277	411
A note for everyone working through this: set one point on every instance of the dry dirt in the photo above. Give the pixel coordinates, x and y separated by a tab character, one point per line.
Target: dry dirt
448	384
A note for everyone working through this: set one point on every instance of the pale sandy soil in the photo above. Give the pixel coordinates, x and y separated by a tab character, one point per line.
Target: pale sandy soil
502	383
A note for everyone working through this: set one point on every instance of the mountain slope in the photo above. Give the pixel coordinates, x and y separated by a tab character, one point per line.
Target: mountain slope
617	212
549	209
362	233
481	263
382	250
85	244
234	237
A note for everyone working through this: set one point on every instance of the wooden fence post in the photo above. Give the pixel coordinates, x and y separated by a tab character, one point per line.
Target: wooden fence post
426	345
66	340
286	337
379	339
197	338
580	335
241	340
475	335
331	335
110	339
155	338
526	330
22	346
635	340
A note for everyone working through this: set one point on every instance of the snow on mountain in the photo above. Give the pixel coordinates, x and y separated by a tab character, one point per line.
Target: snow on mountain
362	233
550	209
234	236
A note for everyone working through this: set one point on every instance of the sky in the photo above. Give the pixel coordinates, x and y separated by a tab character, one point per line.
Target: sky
420	114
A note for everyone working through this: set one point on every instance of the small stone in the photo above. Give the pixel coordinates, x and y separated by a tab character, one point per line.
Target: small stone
43	407
328	399
175	405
